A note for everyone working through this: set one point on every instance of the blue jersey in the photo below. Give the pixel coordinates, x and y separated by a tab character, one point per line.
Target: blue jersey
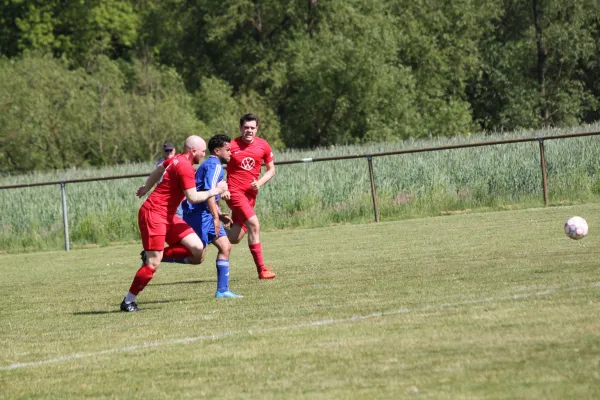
208	174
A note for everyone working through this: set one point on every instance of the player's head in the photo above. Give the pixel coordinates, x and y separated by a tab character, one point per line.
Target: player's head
195	148
168	150
218	145
248	127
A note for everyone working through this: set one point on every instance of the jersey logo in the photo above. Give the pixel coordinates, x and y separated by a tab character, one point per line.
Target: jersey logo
247	163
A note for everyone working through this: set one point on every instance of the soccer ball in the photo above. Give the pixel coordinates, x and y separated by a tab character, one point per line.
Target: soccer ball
576	228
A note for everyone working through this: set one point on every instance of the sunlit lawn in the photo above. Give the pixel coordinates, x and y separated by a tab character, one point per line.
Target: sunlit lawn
497	305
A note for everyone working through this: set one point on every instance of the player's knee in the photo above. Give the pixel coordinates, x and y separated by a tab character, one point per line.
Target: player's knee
234	239
226	249
197	255
153	262
195	259
253	224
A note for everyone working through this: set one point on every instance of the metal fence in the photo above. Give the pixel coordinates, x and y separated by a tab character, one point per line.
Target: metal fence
369	158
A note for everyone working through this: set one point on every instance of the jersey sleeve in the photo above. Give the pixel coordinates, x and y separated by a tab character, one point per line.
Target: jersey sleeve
200	178
213	175
268	157
185	173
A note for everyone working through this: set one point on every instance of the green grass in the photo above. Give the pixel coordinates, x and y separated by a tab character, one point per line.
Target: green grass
324	193
499	305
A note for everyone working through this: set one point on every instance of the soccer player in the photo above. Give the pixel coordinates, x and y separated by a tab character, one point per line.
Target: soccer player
248	153
157	220
205	218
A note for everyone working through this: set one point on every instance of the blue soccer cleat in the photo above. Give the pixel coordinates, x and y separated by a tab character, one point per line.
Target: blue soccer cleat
227	295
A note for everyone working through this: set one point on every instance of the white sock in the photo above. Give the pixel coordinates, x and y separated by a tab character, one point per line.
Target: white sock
130	298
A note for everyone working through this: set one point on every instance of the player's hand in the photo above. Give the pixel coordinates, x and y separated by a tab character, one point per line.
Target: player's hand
226	195
141	191
222	187
226	219
255	185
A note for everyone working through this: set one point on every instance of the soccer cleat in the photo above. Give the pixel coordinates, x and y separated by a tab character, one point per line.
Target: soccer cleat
265	273
129	307
143	257
227	295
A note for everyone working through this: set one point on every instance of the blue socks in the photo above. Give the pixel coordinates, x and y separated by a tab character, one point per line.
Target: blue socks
222	275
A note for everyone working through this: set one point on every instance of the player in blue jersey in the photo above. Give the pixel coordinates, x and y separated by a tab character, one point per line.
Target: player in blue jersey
206	218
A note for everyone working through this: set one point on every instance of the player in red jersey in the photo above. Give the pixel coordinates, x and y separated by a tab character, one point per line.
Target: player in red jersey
157	220
248	153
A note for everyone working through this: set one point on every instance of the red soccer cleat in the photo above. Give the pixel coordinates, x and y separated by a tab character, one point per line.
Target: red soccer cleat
265	273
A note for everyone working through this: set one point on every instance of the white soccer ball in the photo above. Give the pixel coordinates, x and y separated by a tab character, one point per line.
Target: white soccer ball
576	228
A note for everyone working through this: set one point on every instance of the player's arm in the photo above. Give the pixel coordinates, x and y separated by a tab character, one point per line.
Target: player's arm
270	173
214	211
151	181
195	197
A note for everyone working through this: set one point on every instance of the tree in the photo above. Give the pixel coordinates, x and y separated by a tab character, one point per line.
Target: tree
74	29
534	63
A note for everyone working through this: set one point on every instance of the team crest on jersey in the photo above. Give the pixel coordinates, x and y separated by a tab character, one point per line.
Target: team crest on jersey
247	163
175	161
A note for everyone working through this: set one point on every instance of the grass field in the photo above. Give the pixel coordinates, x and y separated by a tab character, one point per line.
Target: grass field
499	305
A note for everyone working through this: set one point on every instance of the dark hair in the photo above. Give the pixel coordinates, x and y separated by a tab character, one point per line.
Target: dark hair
248	117
217	141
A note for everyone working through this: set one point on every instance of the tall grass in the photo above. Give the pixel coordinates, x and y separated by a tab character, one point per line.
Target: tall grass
318	194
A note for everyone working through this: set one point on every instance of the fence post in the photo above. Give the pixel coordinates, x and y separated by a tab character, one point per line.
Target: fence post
543	166
373	190
65	217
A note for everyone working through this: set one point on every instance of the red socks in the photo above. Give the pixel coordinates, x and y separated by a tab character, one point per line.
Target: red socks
142	277
256	250
176	251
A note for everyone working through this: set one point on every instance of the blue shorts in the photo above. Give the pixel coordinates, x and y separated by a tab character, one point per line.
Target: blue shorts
204	226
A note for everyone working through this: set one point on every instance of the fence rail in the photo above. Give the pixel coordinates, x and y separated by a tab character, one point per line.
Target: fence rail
369	157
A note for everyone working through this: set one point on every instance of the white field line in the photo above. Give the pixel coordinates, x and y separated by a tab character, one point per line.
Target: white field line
299	326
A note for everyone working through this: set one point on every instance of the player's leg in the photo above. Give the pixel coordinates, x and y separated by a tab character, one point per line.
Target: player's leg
224	249
185	247
193	243
242	214
253	226
153	231
223	245
236	233
245	212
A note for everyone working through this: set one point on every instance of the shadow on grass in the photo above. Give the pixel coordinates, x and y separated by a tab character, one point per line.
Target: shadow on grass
116	310
183	283
97	312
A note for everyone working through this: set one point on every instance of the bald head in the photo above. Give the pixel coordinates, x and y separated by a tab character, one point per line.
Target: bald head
195	148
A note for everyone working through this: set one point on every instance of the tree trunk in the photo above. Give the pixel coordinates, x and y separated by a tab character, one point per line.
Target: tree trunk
542	56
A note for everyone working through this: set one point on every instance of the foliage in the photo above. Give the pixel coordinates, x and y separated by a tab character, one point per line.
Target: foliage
534	59
55	117
323	193
73	28
317	73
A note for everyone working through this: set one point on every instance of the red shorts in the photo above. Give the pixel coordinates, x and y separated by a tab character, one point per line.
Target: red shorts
242	208
156	229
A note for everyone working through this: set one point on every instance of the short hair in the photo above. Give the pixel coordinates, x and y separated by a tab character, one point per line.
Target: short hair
217	141
248	117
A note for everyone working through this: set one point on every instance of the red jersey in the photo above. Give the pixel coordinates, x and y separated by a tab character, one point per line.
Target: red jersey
168	194
246	161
